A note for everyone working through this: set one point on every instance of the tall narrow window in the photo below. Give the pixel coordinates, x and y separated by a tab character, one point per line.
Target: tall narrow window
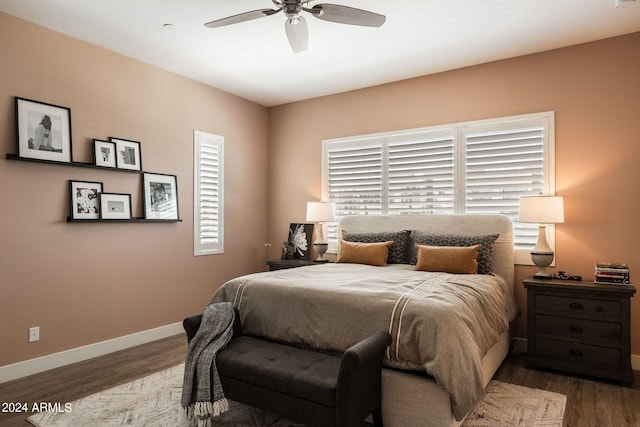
208	198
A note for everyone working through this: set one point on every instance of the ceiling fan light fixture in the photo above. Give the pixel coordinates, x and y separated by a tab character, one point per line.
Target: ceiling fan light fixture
297	33
293	19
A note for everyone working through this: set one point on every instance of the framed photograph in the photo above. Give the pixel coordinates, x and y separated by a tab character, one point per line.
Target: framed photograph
115	206
83	196
160	196
300	236
127	154
104	153
43	131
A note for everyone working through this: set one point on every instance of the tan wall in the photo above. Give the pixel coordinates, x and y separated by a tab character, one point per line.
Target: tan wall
84	283
595	92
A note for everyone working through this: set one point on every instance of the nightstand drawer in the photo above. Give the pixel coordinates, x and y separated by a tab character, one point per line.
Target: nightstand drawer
581	306
605	332
584	355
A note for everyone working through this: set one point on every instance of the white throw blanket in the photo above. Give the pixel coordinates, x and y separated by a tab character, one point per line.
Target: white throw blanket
202	395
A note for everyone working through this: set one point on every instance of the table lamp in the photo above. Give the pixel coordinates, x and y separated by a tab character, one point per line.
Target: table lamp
542	210
321	212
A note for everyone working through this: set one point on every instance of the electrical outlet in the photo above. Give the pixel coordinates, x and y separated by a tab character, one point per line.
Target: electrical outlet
34	334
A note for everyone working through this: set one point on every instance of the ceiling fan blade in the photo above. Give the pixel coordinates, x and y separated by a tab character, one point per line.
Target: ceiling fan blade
297	33
346	15
246	16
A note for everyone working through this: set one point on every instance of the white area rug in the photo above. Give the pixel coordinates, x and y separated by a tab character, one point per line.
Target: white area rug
508	405
155	401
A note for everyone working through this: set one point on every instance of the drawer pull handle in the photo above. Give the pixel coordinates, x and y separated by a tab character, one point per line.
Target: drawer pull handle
575	352
575	328
575	306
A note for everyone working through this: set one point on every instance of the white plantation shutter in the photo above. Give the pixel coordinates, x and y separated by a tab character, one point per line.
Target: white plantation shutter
353	180
208	207
421	173
505	161
481	167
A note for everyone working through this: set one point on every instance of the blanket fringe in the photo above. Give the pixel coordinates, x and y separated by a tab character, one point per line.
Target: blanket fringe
199	414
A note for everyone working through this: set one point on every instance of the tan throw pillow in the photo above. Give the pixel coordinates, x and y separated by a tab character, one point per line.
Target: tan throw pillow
448	259
364	253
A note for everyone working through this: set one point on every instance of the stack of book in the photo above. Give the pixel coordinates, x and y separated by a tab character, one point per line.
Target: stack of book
612	273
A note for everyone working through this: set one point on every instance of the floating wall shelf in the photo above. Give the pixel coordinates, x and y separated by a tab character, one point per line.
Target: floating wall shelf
73	164
93	166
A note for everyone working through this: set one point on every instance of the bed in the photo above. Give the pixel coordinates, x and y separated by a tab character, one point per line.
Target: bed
450	331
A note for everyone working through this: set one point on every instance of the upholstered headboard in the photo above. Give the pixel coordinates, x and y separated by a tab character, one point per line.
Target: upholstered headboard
469	225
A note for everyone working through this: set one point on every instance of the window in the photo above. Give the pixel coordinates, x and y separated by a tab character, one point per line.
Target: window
480	167
208	200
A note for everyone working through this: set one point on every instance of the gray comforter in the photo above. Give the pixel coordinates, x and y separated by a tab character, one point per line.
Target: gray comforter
440	323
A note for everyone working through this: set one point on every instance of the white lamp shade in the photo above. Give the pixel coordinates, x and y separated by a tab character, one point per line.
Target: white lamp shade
321	212
542	209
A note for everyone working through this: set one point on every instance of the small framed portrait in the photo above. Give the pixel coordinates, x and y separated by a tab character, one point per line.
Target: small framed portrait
160	196
300	240
43	131
83	196
115	206
128	154
104	153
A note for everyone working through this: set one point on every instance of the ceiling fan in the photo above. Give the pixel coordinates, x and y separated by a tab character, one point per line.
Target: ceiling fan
296	26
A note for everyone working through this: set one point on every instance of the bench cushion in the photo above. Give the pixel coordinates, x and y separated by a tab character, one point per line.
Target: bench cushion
296	372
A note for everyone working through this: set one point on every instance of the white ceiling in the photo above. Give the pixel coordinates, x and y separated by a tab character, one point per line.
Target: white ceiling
253	59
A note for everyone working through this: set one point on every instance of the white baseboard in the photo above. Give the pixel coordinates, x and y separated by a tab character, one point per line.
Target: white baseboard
67	357
520	346
78	354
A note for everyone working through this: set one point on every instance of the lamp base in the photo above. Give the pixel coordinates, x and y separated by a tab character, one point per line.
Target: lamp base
321	248
542	260
543	275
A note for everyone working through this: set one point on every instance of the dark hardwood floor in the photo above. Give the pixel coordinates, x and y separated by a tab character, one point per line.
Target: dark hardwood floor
590	402
72	382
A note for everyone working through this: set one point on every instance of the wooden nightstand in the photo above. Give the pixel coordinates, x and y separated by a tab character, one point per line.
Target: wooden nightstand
281	264
580	327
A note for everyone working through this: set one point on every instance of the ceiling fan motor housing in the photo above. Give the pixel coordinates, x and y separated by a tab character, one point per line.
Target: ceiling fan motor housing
291	8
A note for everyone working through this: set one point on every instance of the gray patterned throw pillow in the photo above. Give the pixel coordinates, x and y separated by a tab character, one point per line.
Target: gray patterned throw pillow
398	252
485	256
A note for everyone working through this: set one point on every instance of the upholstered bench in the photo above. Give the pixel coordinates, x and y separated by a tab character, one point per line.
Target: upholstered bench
311	387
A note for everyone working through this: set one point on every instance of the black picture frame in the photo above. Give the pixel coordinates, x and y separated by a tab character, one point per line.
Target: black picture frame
300	236
115	206
160	193
83	199
104	153
128	154
43	131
